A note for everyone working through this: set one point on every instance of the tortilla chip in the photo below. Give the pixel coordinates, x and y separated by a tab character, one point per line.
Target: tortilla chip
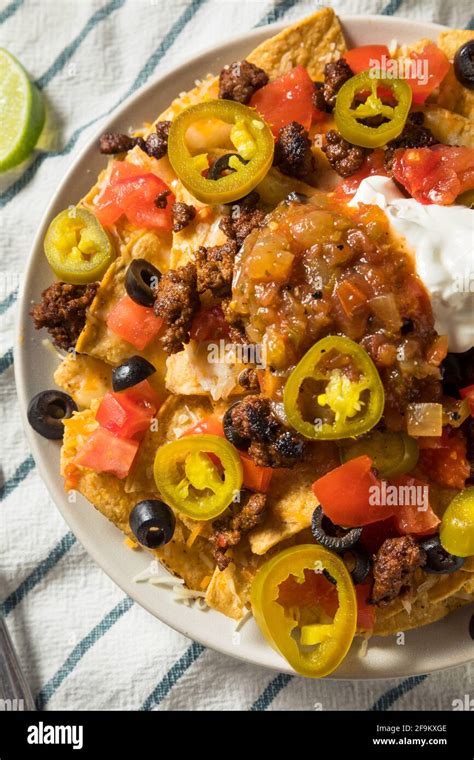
85	379
229	589
423	612
290	500
452	94
108	494
311	43
449	127
192	372
96	339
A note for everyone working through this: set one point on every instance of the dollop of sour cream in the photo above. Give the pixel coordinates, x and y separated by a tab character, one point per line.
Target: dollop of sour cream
441	238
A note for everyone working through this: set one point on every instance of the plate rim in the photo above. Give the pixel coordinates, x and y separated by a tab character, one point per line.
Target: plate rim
52	484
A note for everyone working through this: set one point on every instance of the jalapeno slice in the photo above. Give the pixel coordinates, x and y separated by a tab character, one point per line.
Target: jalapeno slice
251	137
391	453
334	392
456	531
313	646
77	247
194	483
348	116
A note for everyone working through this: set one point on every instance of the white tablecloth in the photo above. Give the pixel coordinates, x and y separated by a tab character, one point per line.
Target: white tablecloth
83	644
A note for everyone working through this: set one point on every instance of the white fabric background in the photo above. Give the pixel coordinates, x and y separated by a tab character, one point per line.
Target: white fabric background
82	643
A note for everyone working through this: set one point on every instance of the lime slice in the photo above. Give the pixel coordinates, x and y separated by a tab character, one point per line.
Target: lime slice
21	112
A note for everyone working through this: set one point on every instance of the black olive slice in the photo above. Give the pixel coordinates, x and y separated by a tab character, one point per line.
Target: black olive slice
438	560
457	371
46	412
140	280
332	536
464	64
131	372
240	443
221	164
361	563
152	522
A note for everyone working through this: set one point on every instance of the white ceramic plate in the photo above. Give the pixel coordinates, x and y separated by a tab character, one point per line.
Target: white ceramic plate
437	646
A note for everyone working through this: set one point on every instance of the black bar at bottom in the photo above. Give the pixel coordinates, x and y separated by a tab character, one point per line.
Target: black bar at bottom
128	734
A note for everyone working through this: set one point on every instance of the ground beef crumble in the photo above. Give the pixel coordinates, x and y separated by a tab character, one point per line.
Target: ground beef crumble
394	567
270	443
176	302
240	80
229	531
183	214
336	74
243	218
62	311
156	144
215	267
343	157
111	143
293	154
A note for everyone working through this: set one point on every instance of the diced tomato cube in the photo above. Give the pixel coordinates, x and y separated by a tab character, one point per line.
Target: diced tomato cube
288	98
105	452
348	494
414	514
123	415
134	323
255	477
132	191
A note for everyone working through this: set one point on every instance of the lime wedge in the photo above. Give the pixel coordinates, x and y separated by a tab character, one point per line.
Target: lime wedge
21	112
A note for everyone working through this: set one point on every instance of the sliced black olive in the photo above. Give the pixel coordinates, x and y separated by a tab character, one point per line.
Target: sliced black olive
360	562
438	560
240	443
332	536
46	412
464	64
222	164
140	280
457	371
295	197
152	522
131	372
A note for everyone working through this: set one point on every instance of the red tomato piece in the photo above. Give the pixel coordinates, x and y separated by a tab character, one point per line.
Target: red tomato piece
134	323
143	393
468	393
124	415
414	515
209	324
315	590
132	191
349	494
105	452
255	477
435	175
434	67
447	462
288	98
366	57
